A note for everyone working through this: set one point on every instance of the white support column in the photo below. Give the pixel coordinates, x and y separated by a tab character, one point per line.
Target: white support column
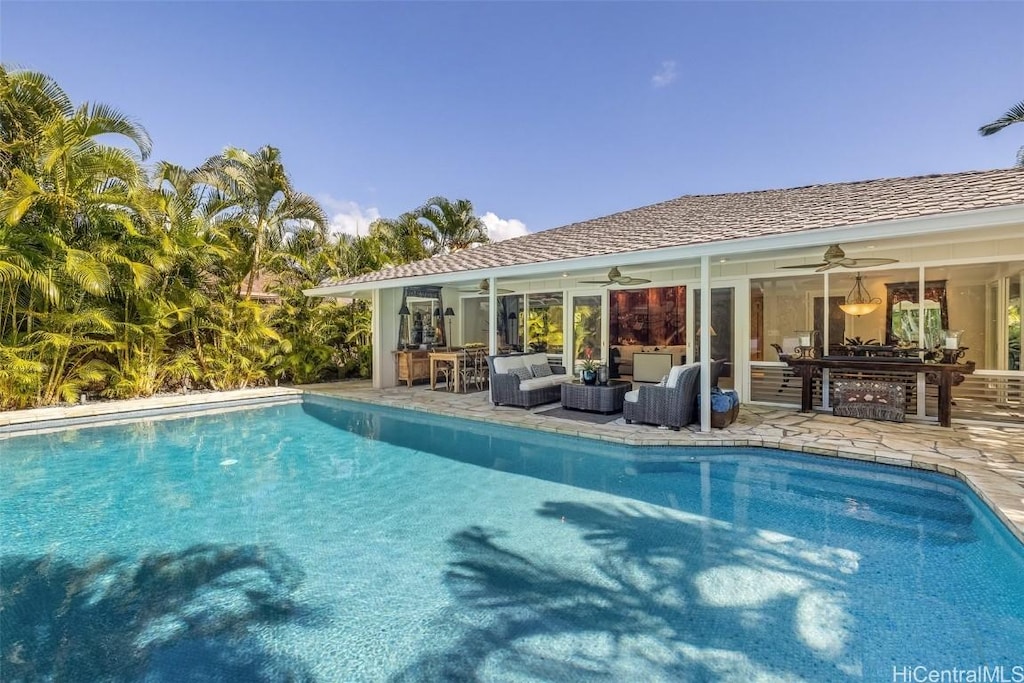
492	307
826	378
705	344
384	305
922	407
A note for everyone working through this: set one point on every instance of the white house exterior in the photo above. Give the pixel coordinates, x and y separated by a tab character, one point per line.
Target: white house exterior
717	271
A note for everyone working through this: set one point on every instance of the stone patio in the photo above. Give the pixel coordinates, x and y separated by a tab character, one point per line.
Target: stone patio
988	458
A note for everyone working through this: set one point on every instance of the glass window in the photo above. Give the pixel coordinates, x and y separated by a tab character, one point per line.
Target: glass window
544	330
779	308
586	326
983	301
510	322
475	320
655	316
1013	306
722	316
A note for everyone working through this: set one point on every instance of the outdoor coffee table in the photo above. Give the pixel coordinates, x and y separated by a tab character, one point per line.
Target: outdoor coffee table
595	398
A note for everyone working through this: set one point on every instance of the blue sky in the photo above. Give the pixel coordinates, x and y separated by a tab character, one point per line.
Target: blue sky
544	113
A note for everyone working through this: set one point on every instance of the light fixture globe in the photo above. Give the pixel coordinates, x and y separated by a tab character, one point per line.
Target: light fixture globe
859	301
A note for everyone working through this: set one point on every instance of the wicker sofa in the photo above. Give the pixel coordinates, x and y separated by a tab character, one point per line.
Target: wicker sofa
509	389
673	405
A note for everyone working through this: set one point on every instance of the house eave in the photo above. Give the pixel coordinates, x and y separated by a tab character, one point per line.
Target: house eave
813	237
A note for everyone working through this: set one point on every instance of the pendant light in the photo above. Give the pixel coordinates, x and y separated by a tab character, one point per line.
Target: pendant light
859	301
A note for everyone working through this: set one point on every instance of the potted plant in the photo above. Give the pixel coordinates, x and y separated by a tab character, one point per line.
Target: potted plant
588	367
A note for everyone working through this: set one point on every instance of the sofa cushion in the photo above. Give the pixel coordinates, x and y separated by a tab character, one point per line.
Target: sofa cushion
522	373
534	359
632	396
677	372
502	364
542	370
542	382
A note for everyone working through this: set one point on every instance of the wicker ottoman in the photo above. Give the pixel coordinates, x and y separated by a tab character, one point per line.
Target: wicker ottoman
595	398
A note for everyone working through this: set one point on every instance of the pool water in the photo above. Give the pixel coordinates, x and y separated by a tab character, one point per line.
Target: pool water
331	541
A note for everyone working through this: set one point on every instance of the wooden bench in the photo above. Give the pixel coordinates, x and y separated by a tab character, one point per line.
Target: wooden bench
869	400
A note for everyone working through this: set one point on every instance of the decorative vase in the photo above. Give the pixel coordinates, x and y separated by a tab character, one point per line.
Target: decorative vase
589	377
602	375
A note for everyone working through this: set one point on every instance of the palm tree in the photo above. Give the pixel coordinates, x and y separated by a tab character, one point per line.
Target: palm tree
115	284
402	239
77	193
1014	115
256	203
71	222
29	100
452	225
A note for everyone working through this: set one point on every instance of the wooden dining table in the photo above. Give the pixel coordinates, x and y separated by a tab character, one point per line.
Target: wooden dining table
458	358
450	356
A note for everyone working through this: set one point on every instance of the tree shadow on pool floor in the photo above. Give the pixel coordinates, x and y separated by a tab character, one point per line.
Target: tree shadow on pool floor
661	595
165	616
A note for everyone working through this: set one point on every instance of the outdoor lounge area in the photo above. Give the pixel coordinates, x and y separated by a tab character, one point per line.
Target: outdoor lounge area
904	276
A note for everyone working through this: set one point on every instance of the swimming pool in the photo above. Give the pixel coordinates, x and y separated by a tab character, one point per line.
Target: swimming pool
334	541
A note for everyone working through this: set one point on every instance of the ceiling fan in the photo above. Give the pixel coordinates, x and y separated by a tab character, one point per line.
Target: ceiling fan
617	278
836	257
484	288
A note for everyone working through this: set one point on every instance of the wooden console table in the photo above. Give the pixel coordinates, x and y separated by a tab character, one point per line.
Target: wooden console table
412	365
945	375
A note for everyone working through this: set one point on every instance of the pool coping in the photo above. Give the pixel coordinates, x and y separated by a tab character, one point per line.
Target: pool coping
102	413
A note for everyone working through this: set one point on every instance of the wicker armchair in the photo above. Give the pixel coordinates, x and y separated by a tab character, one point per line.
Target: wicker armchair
672	407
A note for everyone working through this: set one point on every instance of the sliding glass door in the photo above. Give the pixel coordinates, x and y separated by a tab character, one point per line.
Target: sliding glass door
587	326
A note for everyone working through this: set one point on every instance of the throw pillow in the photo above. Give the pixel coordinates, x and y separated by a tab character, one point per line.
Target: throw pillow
521	373
543	370
664	381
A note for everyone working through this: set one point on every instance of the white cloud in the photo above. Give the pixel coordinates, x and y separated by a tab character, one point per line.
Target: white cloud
665	75
499	229
347	216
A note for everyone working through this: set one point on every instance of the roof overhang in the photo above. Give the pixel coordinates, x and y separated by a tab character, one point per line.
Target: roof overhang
860	232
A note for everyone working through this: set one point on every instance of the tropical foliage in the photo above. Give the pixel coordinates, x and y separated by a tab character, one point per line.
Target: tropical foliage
120	280
1014	115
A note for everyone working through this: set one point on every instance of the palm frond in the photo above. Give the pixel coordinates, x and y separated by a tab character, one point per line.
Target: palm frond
101	119
1014	115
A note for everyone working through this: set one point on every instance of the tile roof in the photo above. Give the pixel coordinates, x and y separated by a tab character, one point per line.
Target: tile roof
700	219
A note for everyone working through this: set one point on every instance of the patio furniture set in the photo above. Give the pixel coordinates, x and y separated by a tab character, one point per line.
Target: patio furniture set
461	369
527	380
